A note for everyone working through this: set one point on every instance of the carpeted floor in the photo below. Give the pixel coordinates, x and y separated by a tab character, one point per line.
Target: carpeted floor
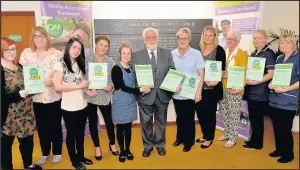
215	157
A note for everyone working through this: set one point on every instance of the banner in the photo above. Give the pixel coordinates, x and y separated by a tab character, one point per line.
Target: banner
243	16
60	18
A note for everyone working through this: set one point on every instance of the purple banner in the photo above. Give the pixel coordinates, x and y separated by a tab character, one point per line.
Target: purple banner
244	129
65	10
245	25
237	9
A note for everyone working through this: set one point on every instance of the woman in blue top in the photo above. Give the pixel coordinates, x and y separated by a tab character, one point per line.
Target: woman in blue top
124	107
283	102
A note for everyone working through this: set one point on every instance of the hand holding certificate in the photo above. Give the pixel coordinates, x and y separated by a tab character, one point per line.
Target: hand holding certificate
190	87
282	75
97	75
172	80
236	77
144	75
256	67
34	79
213	70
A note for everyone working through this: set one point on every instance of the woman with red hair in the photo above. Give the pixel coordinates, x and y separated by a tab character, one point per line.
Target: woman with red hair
17	117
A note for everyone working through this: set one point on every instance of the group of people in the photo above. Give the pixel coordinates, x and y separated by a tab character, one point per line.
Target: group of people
67	95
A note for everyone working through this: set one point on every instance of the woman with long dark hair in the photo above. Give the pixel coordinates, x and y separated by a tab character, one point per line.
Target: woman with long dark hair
69	79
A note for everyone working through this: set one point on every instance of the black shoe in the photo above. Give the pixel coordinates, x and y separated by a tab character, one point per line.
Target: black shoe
78	166
122	157
187	148
129	155
249	147
274	154
98	158
147	152
200	140
115	153
206	146
35	166
86	161
161	151
176	143
285	159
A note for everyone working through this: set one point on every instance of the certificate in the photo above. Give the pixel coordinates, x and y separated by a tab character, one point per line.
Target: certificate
213	70
282	75
172	80
34	79
189	87
256	67
144	75
236	77
97	75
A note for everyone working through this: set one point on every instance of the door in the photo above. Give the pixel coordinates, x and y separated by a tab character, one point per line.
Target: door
17	26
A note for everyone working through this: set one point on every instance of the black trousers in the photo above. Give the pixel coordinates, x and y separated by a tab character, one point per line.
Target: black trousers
48	120
185	120
206	112
282	125
124	133
256	116
93	123
25	147
75	122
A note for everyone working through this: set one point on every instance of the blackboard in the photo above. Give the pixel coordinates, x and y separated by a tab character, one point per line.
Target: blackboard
131	30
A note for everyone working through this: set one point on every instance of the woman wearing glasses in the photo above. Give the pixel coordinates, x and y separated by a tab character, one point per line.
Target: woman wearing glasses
46	105
17	117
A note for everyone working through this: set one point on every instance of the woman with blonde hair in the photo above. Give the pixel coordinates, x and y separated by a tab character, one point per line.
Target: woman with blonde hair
46	105
212	90
283	102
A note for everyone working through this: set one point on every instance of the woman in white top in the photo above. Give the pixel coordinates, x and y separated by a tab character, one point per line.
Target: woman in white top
69	79
46	105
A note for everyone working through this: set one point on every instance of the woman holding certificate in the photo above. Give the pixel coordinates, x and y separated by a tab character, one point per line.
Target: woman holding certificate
69	79
283	98
99	94
260	71
188	61
17	116
233	81
46	105
124	107
214	56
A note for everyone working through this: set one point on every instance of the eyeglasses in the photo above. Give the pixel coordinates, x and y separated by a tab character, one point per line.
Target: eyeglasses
39	36
183	39
10	50
231	39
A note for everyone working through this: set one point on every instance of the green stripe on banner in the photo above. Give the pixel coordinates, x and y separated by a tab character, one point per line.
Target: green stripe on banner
221	4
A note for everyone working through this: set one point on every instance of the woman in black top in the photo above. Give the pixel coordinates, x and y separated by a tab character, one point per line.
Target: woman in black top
212	90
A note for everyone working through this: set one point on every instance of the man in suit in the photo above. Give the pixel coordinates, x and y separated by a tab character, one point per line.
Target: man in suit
157	100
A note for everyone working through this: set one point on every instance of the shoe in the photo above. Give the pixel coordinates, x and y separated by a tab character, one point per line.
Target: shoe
186	148
206	146
176	143
122	157
98	158
147	152
115	153
161	151
42	160
78	166
34	166
56	159
249	147
274	154
222	138
86	161
229	144
200	140
285	159
129	155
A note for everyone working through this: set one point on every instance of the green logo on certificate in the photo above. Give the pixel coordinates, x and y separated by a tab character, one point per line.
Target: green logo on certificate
192	82
98	70
213	67
34	74
54	27
256	65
